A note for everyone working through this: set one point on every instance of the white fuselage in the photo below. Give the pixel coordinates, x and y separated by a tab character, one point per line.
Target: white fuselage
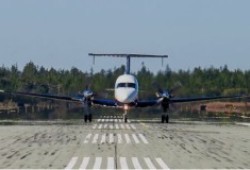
126	89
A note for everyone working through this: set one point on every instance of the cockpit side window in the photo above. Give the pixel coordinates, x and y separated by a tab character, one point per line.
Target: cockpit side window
131	85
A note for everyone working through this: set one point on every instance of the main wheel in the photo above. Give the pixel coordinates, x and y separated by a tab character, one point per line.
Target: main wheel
125	120
163	118
167	119
85	118
90	118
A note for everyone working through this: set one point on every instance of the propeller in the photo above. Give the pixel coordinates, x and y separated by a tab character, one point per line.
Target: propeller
165	94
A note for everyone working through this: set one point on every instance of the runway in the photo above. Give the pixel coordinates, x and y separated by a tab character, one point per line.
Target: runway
108	143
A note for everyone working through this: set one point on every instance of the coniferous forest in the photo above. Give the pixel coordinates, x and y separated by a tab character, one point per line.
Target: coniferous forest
197	82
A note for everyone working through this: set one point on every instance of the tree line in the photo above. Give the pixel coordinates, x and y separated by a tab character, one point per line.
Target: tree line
197	82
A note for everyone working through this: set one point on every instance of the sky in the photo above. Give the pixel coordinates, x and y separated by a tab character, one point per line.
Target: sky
61	33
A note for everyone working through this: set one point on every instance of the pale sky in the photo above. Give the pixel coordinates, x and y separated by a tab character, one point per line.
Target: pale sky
61	33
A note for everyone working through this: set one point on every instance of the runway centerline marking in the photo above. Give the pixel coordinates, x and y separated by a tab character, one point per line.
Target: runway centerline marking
85	162
71	163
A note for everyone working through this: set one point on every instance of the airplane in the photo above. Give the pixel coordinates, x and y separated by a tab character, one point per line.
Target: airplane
126	91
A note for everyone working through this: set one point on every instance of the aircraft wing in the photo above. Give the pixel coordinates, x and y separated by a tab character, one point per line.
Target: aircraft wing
197	99
145	103
46	96
104	102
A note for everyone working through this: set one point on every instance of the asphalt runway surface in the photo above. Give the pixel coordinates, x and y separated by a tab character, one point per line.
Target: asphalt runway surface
109	143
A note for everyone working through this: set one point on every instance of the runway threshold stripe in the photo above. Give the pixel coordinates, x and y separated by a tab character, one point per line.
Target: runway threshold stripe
87	138
98	162
127	138
94	126
85	162
161	163
111	126
122	126
119	137
123	163
143	138
149	163
128	127
136	163
100	126
95	138
133	127
105	126
111	138
111	163
116	126
103	139
98	120
135	138
71	163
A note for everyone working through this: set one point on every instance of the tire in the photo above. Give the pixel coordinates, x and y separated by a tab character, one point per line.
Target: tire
163	118
125	120
85	118
167	119
90	118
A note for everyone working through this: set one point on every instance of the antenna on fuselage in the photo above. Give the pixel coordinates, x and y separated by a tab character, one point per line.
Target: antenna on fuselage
128	56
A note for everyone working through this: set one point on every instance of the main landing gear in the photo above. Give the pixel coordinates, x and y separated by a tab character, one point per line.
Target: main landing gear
88	118
164	118
87	115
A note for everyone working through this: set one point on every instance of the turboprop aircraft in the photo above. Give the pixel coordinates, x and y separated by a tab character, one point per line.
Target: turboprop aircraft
125	93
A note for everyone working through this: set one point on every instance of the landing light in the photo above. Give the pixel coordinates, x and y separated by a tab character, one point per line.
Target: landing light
126	107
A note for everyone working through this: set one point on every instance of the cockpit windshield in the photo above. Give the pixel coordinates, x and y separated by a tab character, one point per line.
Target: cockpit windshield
132	85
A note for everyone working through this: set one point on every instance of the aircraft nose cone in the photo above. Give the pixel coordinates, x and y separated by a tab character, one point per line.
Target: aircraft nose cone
125	96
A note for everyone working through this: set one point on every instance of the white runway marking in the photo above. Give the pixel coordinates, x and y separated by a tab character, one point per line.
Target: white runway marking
136	163
103	138
127	138
111	126
127	126
111	163
116	126
87	138
105	126
143	138
122	126
85	162
100	126
135	138
71	163
161	163
98	162
94	126
98	120
149	163
95	138
111	138
123	163
119	138
133	127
